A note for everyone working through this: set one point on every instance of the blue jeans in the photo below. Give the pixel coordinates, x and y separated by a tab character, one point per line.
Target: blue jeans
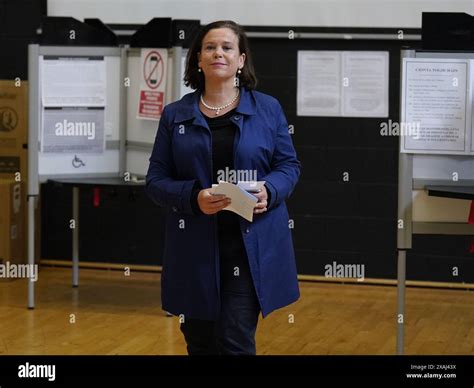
233	332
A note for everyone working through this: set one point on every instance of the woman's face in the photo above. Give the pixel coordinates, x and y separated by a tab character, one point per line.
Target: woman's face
220	57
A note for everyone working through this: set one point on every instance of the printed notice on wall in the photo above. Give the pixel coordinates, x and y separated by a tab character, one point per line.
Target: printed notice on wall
436	101
152	83
73	130
319	83
73	82
342	83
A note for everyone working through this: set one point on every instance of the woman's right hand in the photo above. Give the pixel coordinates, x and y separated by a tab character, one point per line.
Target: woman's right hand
210	203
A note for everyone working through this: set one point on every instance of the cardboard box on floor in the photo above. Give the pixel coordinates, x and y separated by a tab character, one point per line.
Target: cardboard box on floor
13	129
12	237
13	151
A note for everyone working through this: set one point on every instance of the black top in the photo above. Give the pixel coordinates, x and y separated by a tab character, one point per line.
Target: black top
223	135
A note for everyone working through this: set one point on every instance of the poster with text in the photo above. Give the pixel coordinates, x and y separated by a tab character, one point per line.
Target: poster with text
436	101
342	83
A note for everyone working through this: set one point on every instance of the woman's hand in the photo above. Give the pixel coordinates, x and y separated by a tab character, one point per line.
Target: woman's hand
211	204
262	203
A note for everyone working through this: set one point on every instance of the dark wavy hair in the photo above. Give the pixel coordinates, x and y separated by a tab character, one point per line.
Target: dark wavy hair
195	79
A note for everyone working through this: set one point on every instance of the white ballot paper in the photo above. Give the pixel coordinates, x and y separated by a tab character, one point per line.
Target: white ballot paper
243	203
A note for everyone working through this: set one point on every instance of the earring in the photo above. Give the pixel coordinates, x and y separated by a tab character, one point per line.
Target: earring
199	69
237	78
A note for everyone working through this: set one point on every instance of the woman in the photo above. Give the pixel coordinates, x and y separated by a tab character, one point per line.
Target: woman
220	270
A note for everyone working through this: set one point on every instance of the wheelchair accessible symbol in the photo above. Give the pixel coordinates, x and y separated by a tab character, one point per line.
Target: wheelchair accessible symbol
77	162
153	69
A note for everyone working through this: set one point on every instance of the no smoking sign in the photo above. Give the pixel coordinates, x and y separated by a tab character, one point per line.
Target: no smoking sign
152	83
153	69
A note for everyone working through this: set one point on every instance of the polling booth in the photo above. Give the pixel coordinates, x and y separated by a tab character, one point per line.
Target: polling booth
436	160
87	126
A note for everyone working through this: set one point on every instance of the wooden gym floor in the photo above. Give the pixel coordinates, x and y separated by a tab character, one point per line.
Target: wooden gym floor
113	314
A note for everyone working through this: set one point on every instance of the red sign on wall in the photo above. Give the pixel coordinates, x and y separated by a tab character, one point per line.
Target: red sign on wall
152	83
151	103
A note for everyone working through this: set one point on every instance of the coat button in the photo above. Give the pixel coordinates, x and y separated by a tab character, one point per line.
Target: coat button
237	117
175	209
247	230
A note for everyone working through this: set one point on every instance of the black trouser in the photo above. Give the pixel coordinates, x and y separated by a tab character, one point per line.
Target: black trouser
234	331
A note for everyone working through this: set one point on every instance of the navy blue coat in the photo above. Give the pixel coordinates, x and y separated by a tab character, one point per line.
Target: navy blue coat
181	155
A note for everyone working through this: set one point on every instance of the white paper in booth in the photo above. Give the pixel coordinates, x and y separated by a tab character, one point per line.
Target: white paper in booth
243	203
73	82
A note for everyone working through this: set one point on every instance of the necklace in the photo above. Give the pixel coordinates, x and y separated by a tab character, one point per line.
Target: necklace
219	108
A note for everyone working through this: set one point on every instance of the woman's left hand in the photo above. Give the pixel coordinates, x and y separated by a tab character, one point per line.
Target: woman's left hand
262	203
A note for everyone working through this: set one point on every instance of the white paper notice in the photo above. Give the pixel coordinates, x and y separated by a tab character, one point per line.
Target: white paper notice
319	83
365	84
151	96
242	203
434	99
342	83
68	82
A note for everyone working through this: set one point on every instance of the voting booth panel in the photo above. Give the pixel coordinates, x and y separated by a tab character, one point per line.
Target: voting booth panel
160	40
141	132
429	162
74	122
436	161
